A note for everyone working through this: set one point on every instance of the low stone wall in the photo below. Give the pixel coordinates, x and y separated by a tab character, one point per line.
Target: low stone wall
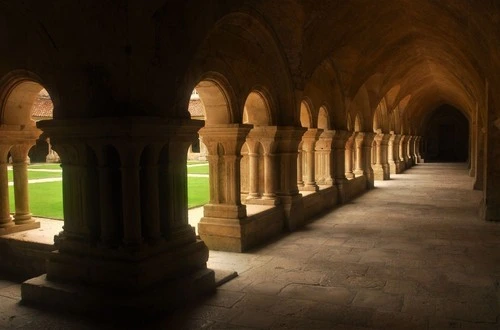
354	187
318	202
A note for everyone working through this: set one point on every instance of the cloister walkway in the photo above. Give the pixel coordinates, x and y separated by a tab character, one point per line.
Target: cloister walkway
409	254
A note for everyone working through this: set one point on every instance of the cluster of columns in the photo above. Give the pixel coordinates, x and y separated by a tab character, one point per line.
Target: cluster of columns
18	144
125	215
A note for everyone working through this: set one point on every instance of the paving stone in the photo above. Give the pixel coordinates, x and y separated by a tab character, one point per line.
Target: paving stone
378	300
334	295
223	298
396	320
401	287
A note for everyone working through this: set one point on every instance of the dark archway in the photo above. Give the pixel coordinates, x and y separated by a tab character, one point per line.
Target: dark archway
447	136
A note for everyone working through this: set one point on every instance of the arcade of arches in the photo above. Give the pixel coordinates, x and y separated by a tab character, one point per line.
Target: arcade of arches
306	104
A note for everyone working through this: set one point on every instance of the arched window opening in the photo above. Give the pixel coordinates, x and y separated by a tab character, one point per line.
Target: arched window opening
205	98
33	188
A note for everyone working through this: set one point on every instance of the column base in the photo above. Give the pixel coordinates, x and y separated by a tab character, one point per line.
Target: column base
78	298
310	187
19	227
350	176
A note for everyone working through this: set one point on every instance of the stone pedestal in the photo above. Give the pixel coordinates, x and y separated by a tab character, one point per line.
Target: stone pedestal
126	243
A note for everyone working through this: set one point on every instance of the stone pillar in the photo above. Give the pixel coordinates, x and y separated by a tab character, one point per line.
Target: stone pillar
404	151
364	142
101	162
220	226
324	156
339	143
359	156
300	165
253	171
5	217
349	155
287	142
381	168
411	150
308	147
367	150
393	153
262	185
418	147
479	161
19	154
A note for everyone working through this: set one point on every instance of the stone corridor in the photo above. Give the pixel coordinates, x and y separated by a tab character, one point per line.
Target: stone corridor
409	254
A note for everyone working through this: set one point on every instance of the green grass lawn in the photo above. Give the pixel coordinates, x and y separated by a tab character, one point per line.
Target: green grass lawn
46	198
198	169
46	166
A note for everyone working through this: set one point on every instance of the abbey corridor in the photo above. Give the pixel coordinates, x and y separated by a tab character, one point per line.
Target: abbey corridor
353	152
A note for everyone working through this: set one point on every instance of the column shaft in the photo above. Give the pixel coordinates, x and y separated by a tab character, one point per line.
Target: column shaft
21	192
5	218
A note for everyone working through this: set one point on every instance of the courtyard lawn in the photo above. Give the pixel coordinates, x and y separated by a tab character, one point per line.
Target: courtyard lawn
38	175
198	169
198	191
45	166
46	197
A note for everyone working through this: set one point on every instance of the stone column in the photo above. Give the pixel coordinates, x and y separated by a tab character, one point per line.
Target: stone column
324	158
130	154
339	142
5	217
220	226
418	145
308	146
300	162
19	154
410	149
393	153
359	158
381	168
367	150
287	142
253	169
349	148
404	151
101	162
265	183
